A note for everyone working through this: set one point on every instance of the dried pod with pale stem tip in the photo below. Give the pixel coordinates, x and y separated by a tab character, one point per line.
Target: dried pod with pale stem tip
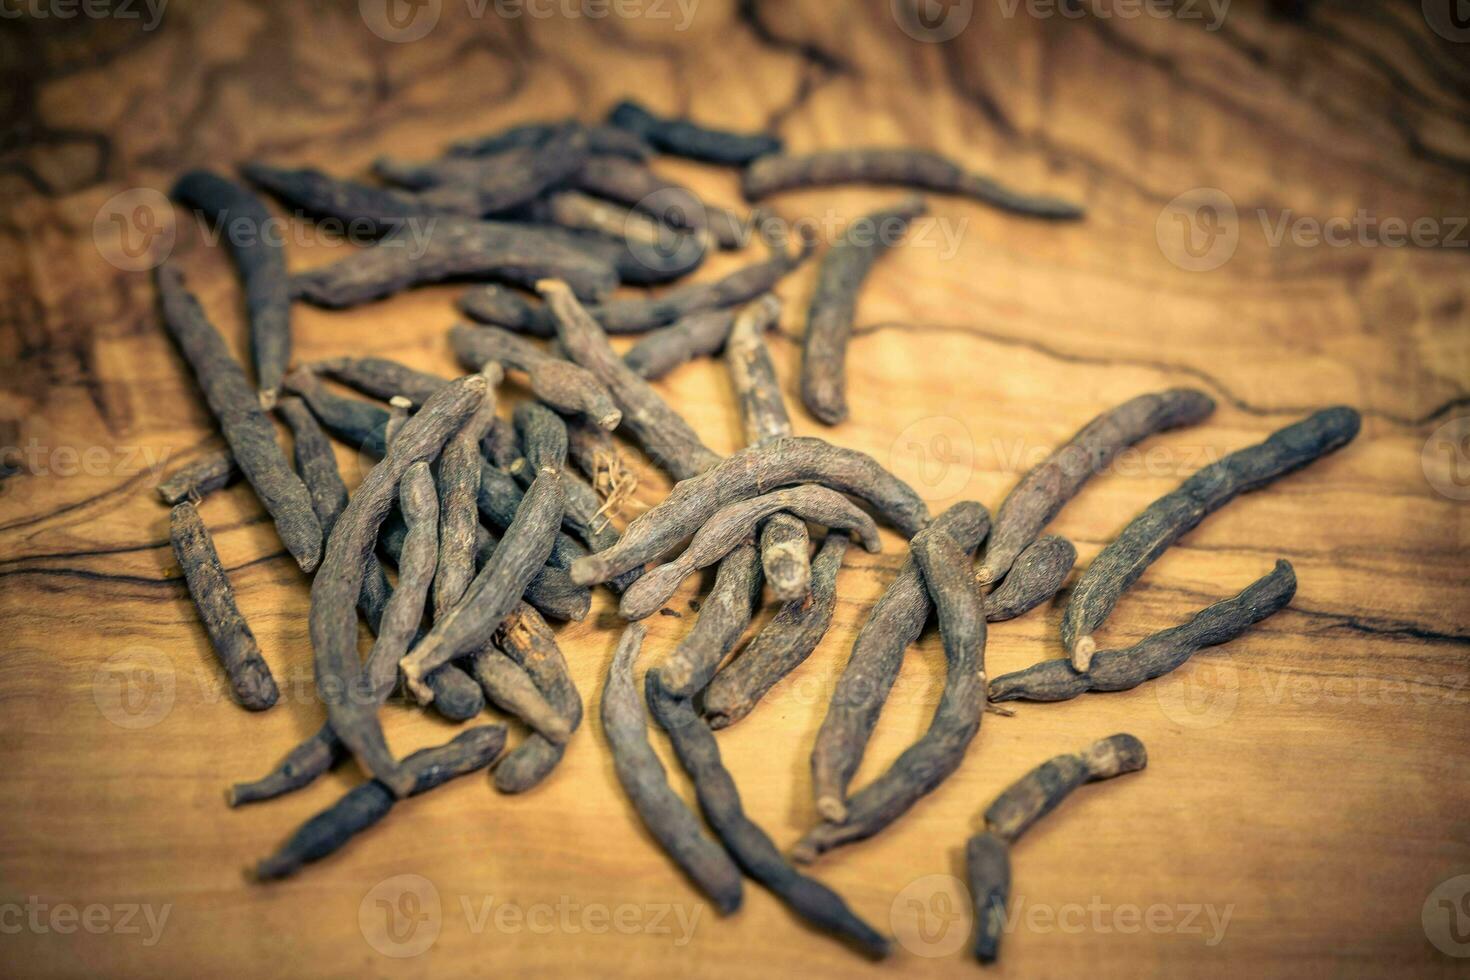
527	640
1120	670
921	767
987	854
1042	492
733	524
893	625
746	474
335	590
244	223
247	429
781	646
1170	517
667	438
200	478
556	381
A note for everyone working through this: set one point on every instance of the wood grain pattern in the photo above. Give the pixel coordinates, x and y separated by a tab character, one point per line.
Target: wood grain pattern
1309	778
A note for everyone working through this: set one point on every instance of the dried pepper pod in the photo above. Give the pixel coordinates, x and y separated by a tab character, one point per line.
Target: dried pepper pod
364	805
496	589
261	258
230	637
903	167
1036	576
247	429
511	689
459	491
666	437
723	616
685	138
316	463
452	248
987	854
200	478
834	303
1167	519
893	625
632	183
733	524
646	783
1120	670
335	590
601	138
695	335
377	210
527	640
565	386
1043	491
491	183
380	377
695	746
917	772
782	646
746	474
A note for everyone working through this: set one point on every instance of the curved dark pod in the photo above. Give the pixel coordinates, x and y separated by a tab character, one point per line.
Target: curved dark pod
200	478
565	386
695	746
316	464
1045	490
1119	670
987	854
723	616
834	302
1036	576
1170	517
230	637
364	805
746	474
380	377
453	248
646	783
236	407
696	335
335	589
459	491
782	646
602	139
510	688
904	167
260	256
894	623
496	589
945	567
685	138
733	524
527	640
668	439
372	210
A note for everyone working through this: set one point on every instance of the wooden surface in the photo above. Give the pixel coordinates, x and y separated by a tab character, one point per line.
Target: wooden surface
1307	780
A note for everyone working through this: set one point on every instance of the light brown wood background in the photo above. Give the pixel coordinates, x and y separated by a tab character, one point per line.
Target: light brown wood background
1307	780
